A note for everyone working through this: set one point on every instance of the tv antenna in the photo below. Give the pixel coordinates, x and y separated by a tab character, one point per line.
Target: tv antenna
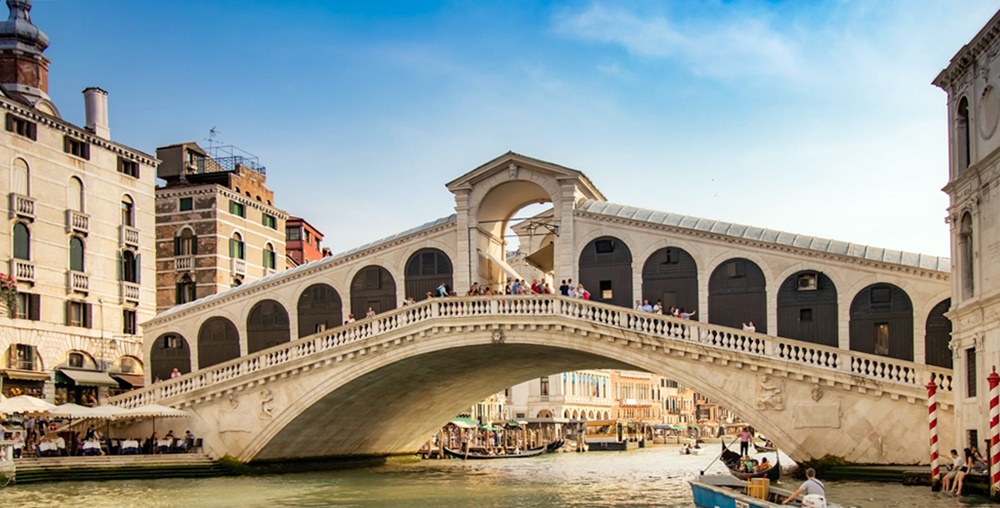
212	134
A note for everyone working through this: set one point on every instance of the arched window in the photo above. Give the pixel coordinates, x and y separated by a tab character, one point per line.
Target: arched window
319	308
882	322
186	244
425	270
74	194
606	271
237	249
22	241
373	287
964	148
965	246
129	262
737	293
128	212
76	254
269	258
170	351
267	325
218	341
20	178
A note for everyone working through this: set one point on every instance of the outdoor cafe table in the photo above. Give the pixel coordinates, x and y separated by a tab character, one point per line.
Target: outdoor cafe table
47	446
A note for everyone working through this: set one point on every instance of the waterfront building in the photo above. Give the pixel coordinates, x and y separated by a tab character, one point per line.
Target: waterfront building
634	397
972	82
80	220
216	225
676	402
303	242
569	396
489	411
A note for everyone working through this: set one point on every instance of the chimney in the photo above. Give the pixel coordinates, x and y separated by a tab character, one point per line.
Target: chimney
95	103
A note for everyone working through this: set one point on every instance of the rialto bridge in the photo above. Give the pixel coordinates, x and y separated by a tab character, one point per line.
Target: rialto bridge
271	372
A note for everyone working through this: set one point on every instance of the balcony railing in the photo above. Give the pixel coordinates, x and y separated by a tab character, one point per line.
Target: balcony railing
22	206
239	266
77	281
77	222
22	364
129	236
184	263
130	292
23	271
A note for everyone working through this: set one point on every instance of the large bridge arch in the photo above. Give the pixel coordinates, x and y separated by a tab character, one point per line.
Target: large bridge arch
318	307
372	286
218	341
606	270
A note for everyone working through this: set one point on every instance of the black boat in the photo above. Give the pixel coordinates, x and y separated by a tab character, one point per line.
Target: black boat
534	452
555	445
732	461
763	448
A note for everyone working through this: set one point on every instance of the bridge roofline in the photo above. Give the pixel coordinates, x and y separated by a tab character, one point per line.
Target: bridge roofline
768	236
498	164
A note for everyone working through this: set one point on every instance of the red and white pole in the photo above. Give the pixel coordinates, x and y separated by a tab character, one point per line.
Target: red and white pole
932	408
994	380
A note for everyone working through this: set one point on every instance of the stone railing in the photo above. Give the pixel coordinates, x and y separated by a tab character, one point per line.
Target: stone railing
183	263
22	206
77	221
712	340
238	266
77	281
130	292
22	270
129	236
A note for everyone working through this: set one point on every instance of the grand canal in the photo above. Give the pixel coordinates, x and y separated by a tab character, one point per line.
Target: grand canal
639	478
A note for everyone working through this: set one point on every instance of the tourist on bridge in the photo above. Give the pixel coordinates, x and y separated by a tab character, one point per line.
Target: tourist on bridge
749	327
658	308
811	487
370	313
745	437
564	288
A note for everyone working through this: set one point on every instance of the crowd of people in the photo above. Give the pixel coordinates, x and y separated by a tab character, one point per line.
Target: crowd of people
42	438
677	312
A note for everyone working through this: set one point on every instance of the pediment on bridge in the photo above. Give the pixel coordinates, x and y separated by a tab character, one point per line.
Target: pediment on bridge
514	163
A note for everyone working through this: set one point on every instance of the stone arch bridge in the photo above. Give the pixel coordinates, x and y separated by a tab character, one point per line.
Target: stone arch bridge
381	386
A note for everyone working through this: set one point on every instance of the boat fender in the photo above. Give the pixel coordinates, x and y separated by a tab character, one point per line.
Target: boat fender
814	501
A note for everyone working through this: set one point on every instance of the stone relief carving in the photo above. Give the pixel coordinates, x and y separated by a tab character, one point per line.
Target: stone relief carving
498	337
770	394
514	169
234	402
817	393
266	408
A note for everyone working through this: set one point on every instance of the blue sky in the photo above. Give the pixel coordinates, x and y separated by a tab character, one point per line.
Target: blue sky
810	117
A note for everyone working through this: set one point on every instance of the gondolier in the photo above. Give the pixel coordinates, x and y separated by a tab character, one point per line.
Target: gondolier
745	437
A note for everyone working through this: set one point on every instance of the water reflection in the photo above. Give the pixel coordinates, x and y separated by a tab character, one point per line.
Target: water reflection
639	478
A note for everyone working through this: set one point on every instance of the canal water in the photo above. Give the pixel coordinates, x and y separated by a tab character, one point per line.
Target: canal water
655	476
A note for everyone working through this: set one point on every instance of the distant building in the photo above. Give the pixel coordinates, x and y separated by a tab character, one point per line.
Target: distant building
635	397
81	219
303	242
573	396
216	224
972	82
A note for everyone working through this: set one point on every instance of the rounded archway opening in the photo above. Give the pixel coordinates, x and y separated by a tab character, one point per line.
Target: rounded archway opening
938	335
372	288
425	271
737	294
670	275
218	341
319	308
267	326
606	271
170	351
882	322
807	308
516	236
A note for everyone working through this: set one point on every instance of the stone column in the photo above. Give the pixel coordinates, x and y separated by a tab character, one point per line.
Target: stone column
466	263
565	255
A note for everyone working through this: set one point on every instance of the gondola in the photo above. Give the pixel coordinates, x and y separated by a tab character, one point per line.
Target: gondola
555	445
534	452
762	448
732	461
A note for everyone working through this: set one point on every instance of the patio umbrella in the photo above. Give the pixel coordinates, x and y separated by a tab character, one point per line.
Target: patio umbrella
71	411
152	411
25	404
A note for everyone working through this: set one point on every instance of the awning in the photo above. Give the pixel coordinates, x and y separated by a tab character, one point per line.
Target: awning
464	423
504	267
30	375
132	380
543	259
89	377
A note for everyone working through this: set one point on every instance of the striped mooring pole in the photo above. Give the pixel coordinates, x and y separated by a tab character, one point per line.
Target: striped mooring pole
932	408
994	380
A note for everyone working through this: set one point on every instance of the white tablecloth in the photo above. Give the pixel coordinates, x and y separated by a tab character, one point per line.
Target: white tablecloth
91	445
46	446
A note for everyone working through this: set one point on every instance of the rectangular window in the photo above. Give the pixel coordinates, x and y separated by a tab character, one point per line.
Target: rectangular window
970	369
881	295
543	386
269	259
186	204
76	360
372	279
307	236
127	167
805	314
28	307
24	357
22	127
78	314
606	292
973	438
237	208
604	246
736	269
673	257
269	221
128	322
172	342
76	147
293	233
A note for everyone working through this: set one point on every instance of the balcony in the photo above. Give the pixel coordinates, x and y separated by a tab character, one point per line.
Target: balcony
22	206
238	266
77	281
22	271
129	236
130	292
77	222
184	263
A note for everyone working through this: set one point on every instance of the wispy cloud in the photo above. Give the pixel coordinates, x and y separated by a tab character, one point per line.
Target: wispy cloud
718	48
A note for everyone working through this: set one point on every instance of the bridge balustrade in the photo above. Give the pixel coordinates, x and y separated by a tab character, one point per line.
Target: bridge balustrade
711	337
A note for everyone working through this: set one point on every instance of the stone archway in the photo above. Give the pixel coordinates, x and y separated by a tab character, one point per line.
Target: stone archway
170	351
882	321
267	325
218	341
737	293
807	308
373	287
319	308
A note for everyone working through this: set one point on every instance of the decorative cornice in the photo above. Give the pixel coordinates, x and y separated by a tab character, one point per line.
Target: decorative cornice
890	267
72	130
176	191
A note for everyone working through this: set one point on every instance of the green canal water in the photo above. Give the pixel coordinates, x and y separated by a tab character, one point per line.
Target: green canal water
648	477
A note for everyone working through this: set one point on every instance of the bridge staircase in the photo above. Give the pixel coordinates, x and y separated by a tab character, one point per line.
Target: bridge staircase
117	467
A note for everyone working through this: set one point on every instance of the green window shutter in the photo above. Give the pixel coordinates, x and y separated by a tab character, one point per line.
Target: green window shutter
86	315
121	266
232	247
67	312
194	245
34	307
138	268
179	288
177	246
